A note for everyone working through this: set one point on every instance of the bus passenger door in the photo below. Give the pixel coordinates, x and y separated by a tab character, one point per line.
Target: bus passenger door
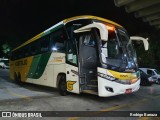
88	62
72	77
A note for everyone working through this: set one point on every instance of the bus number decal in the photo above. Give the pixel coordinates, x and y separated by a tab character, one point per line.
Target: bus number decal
70	85
58	59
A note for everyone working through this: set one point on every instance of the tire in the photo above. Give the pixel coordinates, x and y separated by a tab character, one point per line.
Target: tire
19	80
142	83
62	86
15	78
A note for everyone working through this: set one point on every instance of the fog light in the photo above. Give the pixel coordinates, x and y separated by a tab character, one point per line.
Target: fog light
109	89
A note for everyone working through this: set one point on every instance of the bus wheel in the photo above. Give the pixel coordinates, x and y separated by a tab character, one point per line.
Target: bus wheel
62	87
19	79
15	78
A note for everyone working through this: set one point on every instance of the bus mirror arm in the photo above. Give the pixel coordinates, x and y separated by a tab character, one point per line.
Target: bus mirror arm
101	27
137	38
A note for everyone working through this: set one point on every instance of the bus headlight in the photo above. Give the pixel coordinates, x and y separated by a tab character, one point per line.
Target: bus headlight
128	82
111	78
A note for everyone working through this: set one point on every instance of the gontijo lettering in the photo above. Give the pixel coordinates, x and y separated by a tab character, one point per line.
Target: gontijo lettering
22	62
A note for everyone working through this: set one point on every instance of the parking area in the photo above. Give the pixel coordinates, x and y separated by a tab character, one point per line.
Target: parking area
31	97
11	91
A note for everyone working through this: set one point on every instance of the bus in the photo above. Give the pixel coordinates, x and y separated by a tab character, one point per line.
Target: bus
82	54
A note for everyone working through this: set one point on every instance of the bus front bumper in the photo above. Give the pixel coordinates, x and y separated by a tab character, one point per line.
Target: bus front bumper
108	88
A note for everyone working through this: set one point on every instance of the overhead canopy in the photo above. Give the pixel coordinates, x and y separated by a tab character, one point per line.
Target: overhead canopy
148	10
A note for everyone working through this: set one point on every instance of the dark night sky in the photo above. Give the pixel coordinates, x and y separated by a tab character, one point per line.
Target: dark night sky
22	19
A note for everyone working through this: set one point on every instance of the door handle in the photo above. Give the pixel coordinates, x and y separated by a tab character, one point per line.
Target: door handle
67	72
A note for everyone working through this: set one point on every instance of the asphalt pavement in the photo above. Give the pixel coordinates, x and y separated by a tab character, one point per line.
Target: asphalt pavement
12	91
34	98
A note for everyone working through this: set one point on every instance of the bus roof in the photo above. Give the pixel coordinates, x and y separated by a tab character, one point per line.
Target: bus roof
90	17
58	25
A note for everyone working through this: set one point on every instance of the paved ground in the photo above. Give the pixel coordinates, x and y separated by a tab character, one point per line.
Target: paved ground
12	91
37	98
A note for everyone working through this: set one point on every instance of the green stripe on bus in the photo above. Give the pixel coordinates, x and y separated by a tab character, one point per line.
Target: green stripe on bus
38	65
34	66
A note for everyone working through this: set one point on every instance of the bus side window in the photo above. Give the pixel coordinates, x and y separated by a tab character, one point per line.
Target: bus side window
13	55
34	48
45	44
26	54
71	26
58	39
71	53
89	40
20	53
26	51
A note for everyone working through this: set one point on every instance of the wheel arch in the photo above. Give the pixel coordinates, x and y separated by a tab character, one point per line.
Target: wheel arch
58	78
19	76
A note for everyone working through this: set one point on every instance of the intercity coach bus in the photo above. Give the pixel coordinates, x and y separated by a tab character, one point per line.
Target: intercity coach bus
82	54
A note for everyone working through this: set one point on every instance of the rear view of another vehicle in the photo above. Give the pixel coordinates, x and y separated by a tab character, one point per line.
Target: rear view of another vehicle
146	80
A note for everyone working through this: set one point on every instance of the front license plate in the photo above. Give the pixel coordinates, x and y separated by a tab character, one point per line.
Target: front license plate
128	91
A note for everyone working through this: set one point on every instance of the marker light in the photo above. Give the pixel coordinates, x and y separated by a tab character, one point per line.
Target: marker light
111	28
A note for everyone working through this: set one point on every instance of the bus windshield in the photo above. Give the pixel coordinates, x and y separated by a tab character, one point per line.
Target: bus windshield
118	53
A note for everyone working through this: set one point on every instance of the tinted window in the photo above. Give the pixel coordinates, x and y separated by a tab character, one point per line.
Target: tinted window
34	48
73	25
71	52
14	55
114	50
44	44
58	40
19	53
89	39
26	51
150	72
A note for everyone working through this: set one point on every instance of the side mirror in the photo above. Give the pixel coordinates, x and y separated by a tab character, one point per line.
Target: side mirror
145	41
101	27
